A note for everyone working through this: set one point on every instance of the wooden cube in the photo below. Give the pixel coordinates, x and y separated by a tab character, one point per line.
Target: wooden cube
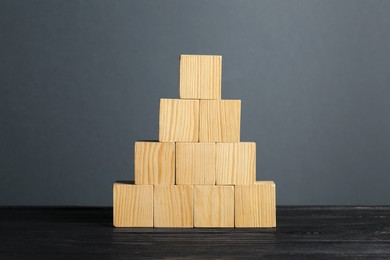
154	163
179	120
214	206
173	206
255	205
133	205
219	120
235	163
200	76
195	163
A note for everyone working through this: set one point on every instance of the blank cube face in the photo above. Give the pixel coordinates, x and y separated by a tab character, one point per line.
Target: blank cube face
179	120
154	163
214	206
200	76
255	205
219	120
173	206
195	163
133	205
235	163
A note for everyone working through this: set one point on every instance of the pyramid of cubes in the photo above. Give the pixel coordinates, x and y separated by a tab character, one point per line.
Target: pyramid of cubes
198	174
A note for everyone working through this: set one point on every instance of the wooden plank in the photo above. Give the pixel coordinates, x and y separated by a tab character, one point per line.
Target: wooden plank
179	120
132	205
195	163
200	76
304	232
214	206
154	163
235	163
219	120
173	206
255	205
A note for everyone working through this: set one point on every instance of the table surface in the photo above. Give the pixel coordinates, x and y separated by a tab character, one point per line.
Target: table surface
302	232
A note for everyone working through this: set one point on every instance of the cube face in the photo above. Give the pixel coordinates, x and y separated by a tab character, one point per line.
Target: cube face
200	76
179	120
214	206
255	205
173	206
219	120
195	163
235	163
133	205
154	163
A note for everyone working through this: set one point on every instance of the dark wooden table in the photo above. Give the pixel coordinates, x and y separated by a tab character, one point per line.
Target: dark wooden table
87	233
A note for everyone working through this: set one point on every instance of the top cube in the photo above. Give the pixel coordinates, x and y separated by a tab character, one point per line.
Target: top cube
200	76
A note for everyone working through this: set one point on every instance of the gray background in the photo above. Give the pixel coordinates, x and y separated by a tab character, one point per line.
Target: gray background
81	81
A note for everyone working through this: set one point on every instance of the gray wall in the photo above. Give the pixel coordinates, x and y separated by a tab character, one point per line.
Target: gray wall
81	81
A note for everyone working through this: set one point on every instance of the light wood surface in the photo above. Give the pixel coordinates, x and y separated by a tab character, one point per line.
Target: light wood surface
255	205
173	206
219	120
133	205
179	120
154	163
195	163
213	206
199	173
235	163
200	76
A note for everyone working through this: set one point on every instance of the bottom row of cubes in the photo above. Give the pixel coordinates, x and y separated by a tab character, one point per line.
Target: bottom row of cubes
195	205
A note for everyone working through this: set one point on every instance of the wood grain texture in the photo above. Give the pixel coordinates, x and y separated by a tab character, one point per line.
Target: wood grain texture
309	232
213	206
200	76
255	205
133	205
173	206
219	120
154	163
235	163
195	163
179	120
